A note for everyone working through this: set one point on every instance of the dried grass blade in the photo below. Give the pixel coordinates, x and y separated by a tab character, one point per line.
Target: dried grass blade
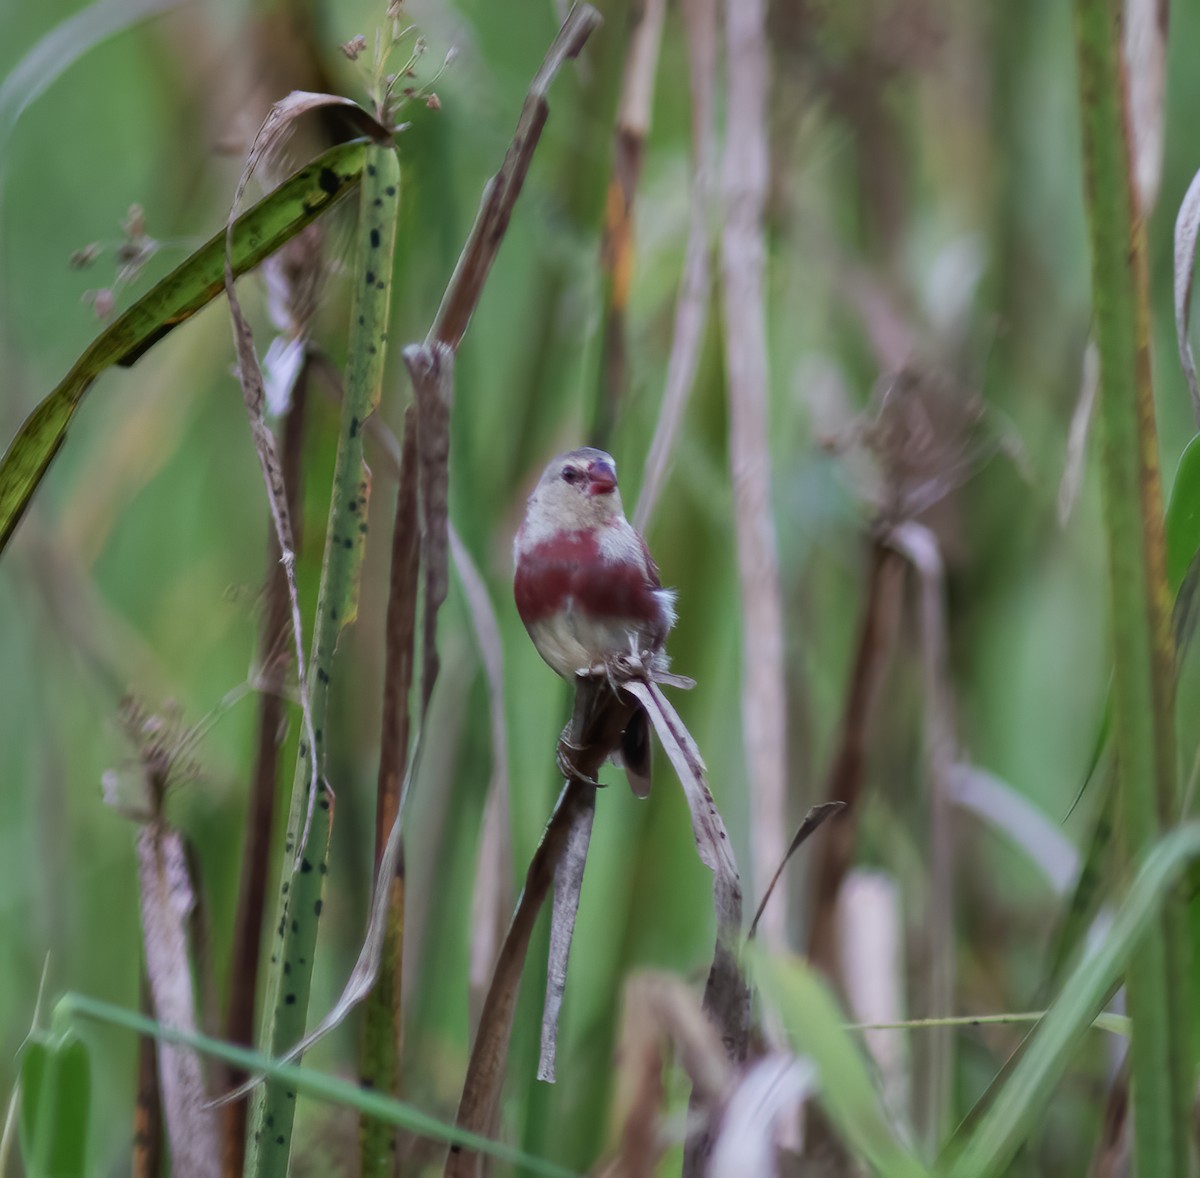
726	995
260	818
568	883
250	378
691	307
167	900
815	816
764	692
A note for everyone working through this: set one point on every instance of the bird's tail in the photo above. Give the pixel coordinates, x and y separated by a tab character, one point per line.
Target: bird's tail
635	752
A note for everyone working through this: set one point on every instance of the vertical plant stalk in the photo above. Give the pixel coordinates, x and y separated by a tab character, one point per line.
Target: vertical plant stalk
764	707
303	875
167	899
384	1027
147	1161
274	652
596	723
617	244
691	306
1143	683
920	547
847	772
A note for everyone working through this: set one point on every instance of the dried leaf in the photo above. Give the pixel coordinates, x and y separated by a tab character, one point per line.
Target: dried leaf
167	901
769	1088
568	883
1014	815
277	125
815	816
726	996
254	398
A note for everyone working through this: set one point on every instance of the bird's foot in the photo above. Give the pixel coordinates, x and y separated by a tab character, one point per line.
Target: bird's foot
563	756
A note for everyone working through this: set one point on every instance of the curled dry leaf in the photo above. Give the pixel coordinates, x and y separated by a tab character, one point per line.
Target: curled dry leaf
726	997
568	884
815	816
770	1088
1187	228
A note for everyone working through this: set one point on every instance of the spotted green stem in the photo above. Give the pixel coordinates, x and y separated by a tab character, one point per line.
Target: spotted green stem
294	937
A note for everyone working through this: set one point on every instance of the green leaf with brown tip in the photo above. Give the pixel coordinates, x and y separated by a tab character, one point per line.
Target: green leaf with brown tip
196	281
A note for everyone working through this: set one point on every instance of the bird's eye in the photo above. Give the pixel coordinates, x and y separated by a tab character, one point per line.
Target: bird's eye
572	474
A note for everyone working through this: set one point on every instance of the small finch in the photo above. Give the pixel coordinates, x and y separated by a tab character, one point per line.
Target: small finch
587	588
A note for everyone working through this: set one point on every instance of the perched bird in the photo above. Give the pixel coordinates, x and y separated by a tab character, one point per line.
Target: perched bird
587	588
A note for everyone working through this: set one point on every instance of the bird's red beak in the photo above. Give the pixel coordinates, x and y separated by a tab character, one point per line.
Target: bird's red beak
602	479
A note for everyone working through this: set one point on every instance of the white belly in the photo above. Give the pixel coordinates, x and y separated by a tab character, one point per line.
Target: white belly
570	641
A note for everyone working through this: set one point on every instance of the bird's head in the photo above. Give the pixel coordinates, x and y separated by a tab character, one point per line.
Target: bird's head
578	490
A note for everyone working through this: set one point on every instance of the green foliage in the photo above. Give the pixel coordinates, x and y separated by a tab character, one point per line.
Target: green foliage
948	197
56	1100
195	282
302	883
847	1091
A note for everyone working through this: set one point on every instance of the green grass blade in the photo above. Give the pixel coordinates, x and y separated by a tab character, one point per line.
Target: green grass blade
1183	515
307	1082
195	282
289	977
56	1094
1023	1100
815	1028
1144	674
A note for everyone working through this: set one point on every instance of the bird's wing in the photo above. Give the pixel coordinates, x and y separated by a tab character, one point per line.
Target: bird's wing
653	576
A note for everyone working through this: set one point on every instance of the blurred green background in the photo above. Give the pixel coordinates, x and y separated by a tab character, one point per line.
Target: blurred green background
927	147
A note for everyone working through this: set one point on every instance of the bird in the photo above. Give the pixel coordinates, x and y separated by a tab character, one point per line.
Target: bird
587	588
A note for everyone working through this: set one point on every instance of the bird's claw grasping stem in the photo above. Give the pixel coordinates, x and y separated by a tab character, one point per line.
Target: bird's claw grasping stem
566	763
